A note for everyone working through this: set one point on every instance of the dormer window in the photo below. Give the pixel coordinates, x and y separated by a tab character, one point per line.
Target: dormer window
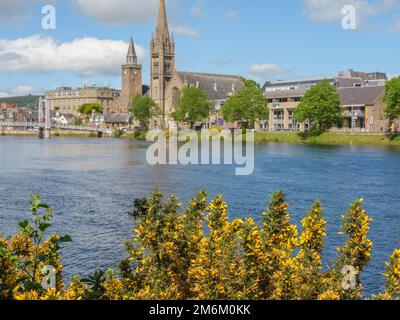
216	86
233	87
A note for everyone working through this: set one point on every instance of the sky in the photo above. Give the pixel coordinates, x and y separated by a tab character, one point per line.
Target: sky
258	39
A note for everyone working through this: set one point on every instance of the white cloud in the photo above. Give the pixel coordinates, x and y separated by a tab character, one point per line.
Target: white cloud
118	12
185	31
262	72
329	10
265	69
83	56
18	91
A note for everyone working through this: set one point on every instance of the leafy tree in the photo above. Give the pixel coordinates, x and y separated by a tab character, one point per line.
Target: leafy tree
89	108
193	106
248	105
392	99
321	107
143	109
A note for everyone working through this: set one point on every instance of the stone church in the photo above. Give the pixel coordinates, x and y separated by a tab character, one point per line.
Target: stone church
166	82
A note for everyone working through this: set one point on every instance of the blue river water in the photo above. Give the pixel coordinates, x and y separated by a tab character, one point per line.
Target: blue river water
91	184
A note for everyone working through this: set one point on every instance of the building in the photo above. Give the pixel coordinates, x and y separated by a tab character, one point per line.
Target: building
166	83
360	96
7	106
67	100
63	119
299	84
363	109
131	76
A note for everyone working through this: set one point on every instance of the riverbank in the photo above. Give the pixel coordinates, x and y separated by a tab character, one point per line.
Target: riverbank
327	139
324	139
260	138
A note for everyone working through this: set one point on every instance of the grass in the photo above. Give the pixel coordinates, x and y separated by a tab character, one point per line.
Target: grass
266	137
327	139
135	135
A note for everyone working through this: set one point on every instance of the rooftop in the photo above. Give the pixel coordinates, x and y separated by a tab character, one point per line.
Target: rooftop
216	86
360	96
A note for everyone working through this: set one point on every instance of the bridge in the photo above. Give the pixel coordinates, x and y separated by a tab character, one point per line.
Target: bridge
44	125
37	125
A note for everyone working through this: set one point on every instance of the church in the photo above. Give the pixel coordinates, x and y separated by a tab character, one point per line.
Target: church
166	82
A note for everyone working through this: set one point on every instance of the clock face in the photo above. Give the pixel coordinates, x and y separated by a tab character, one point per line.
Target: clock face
125	72
135	73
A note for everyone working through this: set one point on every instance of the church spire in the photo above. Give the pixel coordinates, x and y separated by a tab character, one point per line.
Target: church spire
131	57
162	23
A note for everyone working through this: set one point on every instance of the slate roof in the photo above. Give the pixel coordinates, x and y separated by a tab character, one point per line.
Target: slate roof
348	82
216	86
117	118
365	96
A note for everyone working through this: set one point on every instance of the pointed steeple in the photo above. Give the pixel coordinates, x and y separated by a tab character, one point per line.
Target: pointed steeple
131	57
162	32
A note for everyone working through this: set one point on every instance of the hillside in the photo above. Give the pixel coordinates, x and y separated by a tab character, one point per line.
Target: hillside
21	101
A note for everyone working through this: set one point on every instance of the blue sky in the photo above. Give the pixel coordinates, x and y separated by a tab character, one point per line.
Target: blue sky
264	40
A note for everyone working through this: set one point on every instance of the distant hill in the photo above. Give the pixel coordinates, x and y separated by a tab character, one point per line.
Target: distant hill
20	101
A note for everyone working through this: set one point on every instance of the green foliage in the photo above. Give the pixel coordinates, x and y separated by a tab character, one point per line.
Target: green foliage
143	109
23	256
95	285
392	99
192	106
77	122
195	252
89	108
118	133
248	105
321	107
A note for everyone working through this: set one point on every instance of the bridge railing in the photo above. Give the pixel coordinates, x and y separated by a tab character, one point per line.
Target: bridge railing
16	124
78	128
20	124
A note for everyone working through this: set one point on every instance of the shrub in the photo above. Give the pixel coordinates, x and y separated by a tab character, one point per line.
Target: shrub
197	252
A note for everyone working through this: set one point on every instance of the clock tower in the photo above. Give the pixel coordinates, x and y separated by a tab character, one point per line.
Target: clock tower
131	79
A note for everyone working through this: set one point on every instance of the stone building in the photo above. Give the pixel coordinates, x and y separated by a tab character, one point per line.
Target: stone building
166	83
115	103
67	100
360	96
131	76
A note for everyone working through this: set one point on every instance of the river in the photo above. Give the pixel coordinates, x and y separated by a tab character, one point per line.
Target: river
92	183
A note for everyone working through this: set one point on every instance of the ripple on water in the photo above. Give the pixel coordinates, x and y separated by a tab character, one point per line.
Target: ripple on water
92	185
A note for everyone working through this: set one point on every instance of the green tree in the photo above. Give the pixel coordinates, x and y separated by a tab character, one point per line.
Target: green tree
143	109
90	108
392	99
192	106
321	107
248	105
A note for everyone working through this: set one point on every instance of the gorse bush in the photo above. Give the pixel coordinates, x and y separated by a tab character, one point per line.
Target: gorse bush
197	252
